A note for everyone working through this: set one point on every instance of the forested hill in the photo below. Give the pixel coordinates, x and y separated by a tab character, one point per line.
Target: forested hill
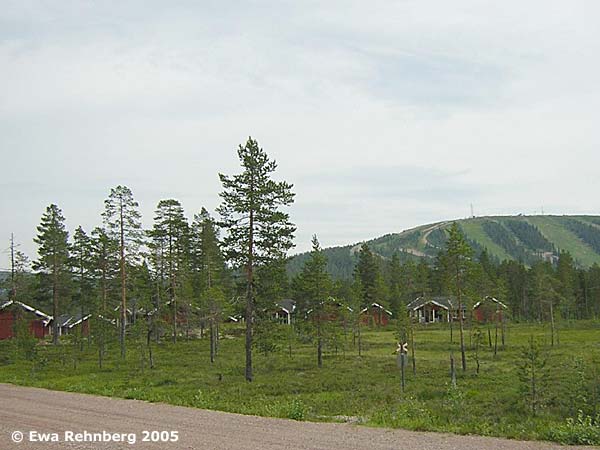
524	238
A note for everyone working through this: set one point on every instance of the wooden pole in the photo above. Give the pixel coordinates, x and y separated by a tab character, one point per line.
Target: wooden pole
452	370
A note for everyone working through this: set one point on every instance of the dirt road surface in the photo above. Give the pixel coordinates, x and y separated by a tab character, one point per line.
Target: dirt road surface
25	410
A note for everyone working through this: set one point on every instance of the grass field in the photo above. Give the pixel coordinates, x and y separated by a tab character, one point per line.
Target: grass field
362	389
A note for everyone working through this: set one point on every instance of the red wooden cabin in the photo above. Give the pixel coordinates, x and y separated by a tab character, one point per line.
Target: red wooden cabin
376	315
12	311
489	309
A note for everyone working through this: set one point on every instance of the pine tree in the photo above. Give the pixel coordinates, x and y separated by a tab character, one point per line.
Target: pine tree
545	295
459	253
395	285
592	291
367	271
20	284
533	376
257	230
316	287
210	269
123	222
568	280
271	285
143	325
81	262
171	234
104	261
53	250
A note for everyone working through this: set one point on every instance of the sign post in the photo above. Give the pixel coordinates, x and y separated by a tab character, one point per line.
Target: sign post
402	350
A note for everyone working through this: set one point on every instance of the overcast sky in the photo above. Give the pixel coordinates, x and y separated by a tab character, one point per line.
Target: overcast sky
384	114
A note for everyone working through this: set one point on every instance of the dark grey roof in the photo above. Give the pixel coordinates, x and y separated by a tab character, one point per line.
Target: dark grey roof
71	320
447	303
287	304
64	320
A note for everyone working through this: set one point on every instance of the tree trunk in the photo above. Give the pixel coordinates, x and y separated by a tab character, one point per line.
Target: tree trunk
100	351
551	324
55	308
149	344
123	286
212	341
462	337
319	344
217	321
452	370
412	349
174	306
496	337
359	339
250	298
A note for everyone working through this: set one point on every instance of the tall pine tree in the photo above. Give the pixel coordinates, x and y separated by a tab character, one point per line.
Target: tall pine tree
258	231
458	259
211	273
53	250
123	221
316	287
171	234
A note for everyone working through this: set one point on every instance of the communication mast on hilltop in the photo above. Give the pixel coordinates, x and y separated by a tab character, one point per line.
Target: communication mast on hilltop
472	213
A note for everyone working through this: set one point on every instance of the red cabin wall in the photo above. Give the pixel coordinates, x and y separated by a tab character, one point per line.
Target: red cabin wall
479	314
7	324
37	329
375	317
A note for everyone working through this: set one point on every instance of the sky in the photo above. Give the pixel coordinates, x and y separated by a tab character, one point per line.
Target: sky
385	115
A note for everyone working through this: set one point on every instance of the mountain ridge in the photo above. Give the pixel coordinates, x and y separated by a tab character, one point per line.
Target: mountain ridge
526	238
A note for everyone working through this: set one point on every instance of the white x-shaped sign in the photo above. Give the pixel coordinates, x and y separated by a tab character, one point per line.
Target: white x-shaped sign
402	348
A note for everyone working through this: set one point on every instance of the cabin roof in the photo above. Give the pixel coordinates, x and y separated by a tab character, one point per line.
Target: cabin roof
491	299
376	305
334	302
446	303
26	307
287	304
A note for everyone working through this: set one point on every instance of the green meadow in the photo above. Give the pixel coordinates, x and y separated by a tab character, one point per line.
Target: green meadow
362	389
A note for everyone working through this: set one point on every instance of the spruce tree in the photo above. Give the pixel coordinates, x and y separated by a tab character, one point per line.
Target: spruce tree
53	250
123	223
258	231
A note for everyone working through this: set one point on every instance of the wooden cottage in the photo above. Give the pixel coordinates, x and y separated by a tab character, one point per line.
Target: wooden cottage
489	309
68	324
376	315
235	318
434	309
284	310
12	311
332	310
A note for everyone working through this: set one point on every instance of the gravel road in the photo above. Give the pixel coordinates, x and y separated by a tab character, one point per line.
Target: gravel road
29	409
